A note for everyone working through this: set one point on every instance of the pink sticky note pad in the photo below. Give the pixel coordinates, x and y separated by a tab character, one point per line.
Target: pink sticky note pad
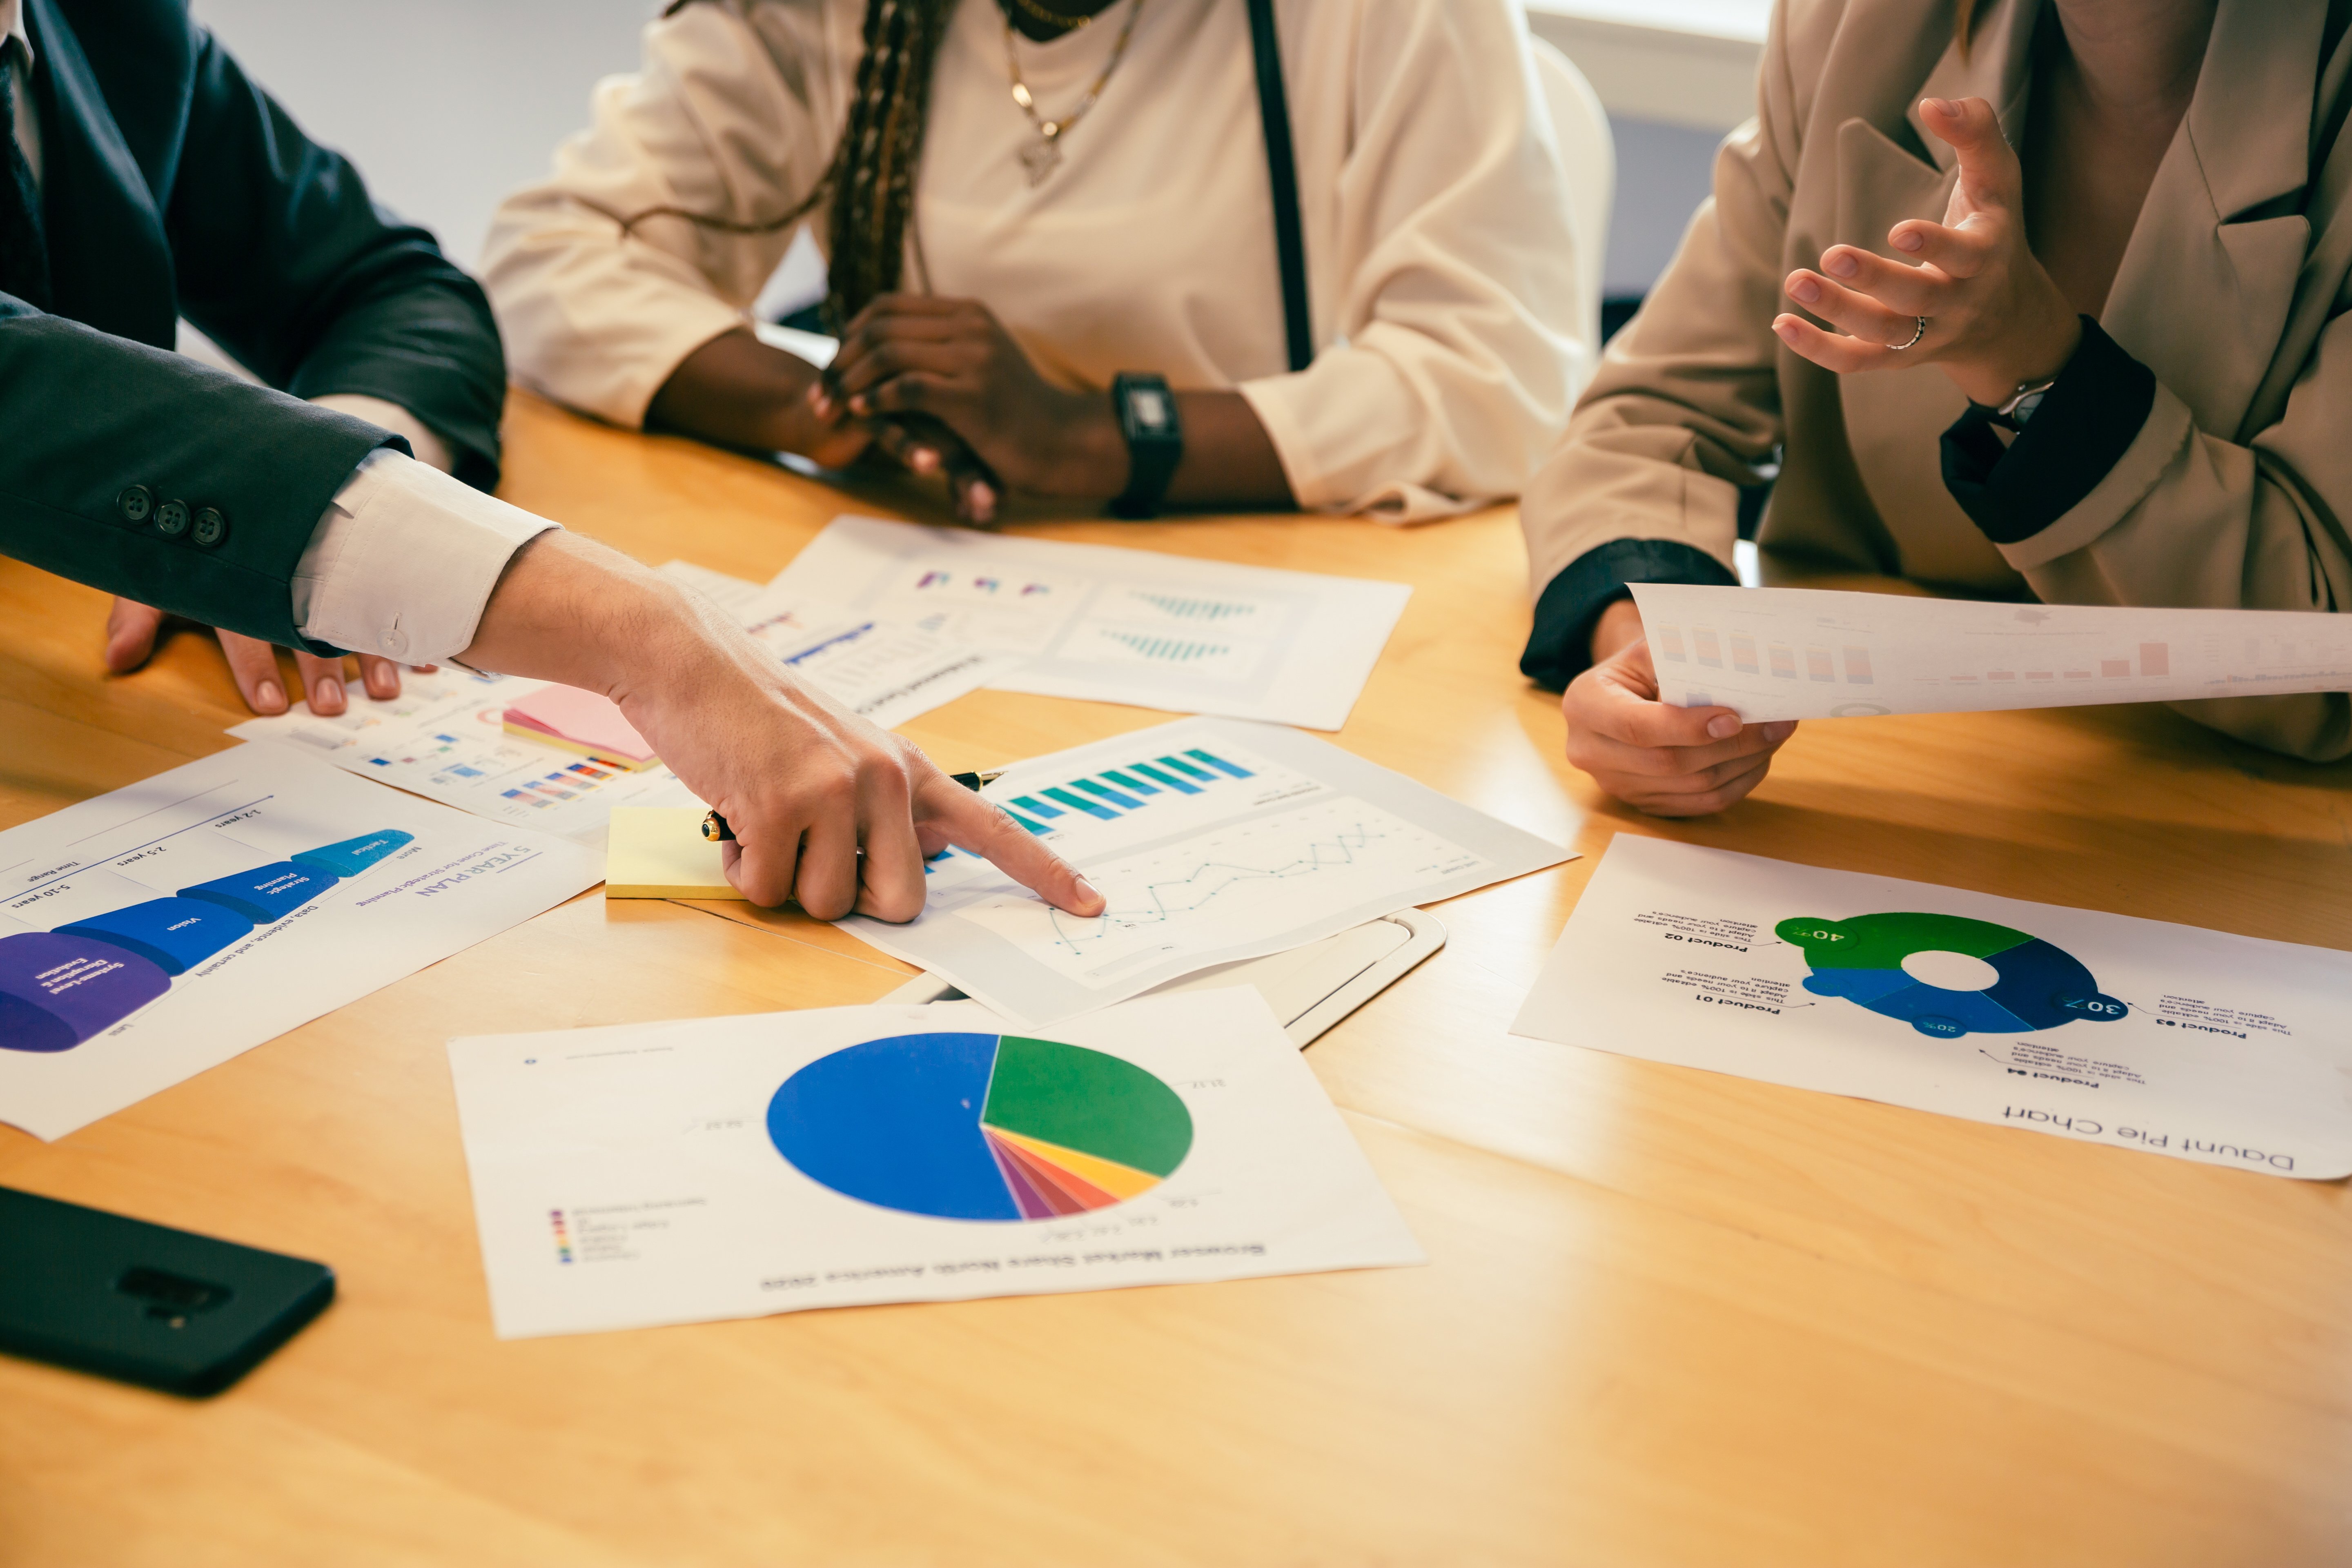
569	716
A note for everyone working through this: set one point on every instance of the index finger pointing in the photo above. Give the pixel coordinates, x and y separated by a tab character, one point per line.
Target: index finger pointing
963	819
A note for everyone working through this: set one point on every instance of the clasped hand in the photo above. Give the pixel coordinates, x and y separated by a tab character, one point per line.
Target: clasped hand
945	389
1996	319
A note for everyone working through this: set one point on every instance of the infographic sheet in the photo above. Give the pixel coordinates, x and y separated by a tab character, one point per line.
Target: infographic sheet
737	1167
1809	653
151	933
445	736
1214	840
2102	1028
1117	626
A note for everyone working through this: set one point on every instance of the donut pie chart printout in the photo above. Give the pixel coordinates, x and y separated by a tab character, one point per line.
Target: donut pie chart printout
2036	985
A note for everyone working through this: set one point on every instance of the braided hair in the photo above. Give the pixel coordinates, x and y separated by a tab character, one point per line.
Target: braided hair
870	184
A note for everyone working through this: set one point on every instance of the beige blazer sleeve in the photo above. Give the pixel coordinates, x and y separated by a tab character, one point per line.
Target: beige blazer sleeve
1686	403
708	126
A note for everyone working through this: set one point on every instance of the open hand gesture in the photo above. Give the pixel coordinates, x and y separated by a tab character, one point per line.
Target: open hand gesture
1974	301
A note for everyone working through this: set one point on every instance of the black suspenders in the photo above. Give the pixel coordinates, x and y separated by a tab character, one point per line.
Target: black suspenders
1281	173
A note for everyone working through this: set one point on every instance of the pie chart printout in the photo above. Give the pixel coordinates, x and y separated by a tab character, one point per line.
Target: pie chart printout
2038	985
979	1127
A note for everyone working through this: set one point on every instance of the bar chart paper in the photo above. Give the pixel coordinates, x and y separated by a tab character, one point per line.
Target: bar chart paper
1809	653
1214	840
1106	625
148	934
735	1167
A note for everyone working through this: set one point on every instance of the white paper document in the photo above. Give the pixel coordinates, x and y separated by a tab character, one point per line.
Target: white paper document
445	736
148	934
1214	840
736	1167
1117	626
1809	653
2098	1028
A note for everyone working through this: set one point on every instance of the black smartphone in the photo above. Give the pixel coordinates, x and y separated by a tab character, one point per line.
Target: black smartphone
142	1302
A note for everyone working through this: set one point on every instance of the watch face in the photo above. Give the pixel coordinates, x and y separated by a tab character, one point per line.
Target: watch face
1148	406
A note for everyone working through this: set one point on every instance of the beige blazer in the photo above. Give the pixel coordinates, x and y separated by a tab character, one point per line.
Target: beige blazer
2236	492
1434	204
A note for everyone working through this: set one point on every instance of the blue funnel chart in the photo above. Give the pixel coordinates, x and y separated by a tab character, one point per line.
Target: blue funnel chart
1872	960
59	988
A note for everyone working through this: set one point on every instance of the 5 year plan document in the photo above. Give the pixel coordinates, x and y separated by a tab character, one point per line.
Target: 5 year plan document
1214	840
2103	1028
734	1167
151	933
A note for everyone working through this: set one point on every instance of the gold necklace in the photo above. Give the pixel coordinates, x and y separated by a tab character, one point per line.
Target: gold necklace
1046	156
1055	18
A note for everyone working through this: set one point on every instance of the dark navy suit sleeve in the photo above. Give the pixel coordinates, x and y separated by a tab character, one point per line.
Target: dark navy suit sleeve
282	259
162	479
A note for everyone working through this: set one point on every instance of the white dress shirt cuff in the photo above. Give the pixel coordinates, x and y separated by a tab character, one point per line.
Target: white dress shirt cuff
405	559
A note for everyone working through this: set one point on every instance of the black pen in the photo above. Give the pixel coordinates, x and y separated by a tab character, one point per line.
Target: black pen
715	828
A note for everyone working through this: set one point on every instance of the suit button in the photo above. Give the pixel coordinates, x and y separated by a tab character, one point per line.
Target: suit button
211	528
172	519
135	503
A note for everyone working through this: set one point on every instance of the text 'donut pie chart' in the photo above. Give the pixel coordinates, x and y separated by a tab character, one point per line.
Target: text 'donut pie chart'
1878	961
979	1127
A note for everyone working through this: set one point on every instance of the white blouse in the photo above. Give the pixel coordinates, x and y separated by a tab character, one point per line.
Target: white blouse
1434	205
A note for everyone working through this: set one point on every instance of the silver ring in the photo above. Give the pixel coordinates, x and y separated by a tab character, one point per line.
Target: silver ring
1916	336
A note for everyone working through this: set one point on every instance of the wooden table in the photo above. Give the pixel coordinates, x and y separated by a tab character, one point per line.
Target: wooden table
1670	1317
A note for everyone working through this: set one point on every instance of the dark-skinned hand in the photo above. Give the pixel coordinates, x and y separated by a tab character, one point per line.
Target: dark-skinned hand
951	361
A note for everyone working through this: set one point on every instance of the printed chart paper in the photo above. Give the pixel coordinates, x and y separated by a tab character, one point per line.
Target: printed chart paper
1214	840
2100	1027
1117	626
445	736
736	1167
1809	653
148	934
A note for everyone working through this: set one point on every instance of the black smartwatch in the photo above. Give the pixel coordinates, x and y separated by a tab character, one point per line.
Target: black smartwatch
1155	441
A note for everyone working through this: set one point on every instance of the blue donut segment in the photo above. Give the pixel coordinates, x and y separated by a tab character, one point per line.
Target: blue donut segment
1862	986
2033	975
1973	1011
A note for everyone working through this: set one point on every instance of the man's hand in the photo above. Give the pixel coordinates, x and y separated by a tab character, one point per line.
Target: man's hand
1996	319
1669	762
131	632
952	361
826	809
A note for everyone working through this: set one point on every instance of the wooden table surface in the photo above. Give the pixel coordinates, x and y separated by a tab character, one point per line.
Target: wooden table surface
1669	1317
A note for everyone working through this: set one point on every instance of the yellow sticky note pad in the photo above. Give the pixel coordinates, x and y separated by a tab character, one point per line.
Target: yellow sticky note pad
659	852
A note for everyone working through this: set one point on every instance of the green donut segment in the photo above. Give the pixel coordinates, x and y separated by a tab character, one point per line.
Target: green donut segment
1885	941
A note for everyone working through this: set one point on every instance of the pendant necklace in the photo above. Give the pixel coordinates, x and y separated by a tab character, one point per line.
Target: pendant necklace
1043	158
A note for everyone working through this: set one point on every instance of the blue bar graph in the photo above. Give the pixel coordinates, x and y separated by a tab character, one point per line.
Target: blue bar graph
1126	801
1067	798
1218	762
1124	782
1035	808
1179	785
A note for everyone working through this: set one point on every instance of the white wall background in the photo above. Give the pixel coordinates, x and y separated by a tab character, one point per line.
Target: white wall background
447	105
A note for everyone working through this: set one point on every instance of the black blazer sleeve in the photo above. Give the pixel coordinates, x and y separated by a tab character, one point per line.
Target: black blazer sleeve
85	478
283	260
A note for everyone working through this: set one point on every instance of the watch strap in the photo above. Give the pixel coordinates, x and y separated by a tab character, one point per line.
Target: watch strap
1155	441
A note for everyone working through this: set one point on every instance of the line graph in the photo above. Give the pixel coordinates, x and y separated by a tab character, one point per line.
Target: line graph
1229	887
